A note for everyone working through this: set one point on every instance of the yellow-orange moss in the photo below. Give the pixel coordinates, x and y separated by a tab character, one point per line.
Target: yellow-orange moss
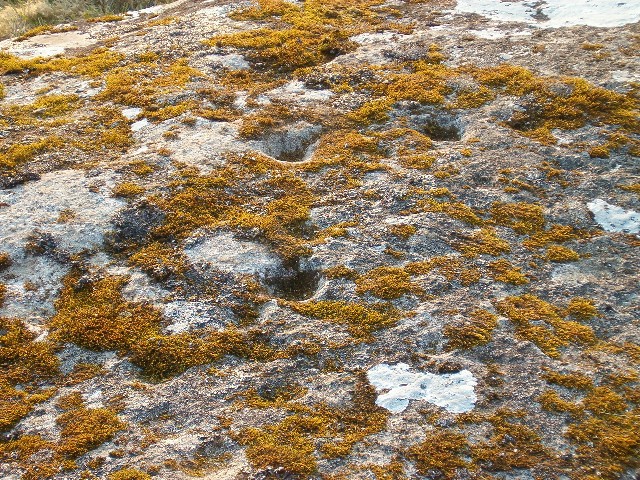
361	319
521	217
560	254
503	271
82	429
476	330
442	452
386	283
543	324
482	242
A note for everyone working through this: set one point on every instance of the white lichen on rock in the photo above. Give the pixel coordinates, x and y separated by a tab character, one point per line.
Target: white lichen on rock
452	391
614	218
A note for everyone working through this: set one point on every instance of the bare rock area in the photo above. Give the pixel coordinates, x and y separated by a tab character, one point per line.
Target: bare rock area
343	239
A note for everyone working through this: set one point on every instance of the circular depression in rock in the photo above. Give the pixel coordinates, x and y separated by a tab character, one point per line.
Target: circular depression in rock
296	280
440	126
293	143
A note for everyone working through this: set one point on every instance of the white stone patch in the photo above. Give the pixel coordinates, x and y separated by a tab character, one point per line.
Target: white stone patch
94	399
556	13
47	45
186	315
203	145
373	38
225	253
131	113
232	61
613	218
240	102
493	33
154	10
140	287
139	125
452	391
37	206
625	76
296	91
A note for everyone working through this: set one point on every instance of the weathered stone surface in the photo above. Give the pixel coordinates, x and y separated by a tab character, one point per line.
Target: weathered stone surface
260	241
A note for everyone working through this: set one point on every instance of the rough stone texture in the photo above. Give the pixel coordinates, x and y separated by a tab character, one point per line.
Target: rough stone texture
271	143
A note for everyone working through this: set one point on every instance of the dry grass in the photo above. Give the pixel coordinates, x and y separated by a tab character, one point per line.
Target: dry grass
19	16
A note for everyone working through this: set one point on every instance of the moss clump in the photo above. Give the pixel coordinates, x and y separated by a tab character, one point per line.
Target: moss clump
386	283
511	446
543	324
292	443
159	260
92	64
634	188
482	242
3	293
441	453
19	154
569	380
582	308
402	230
374	111
582	103
144	83
25	364
252	193
42	29
285	444
477	329
503	271
97	317
599	151
550	400
128	190
341	271
130	474
555	234
560	254
523	218
603	400
106	18
316	32
82	429
457	210
361	319
608	445
453	268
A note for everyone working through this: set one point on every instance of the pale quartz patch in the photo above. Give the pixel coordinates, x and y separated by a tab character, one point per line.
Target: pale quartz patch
186	315
232	61
154	10
613	218
204	145
139	125
36	206
496	33
47	45
225	253
556	13
452	391
131	113
296	91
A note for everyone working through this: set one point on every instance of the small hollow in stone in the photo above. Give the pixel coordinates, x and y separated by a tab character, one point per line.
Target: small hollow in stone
294	143
294	281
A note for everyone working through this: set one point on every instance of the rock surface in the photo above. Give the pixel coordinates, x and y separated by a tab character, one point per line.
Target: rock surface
322	239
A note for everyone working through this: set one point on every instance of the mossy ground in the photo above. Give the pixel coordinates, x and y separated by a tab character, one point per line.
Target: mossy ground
467	268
